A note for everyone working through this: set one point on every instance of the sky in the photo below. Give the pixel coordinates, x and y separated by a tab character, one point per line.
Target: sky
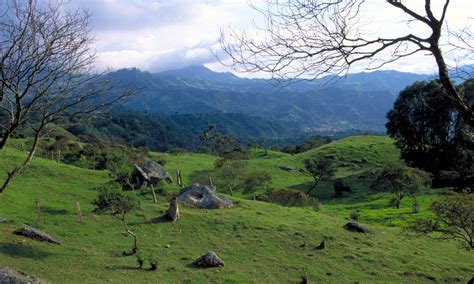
158	35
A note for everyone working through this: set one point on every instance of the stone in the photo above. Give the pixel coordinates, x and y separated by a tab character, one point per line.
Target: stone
149	172
210	259
203	196
356	227
167	246
35	234
10	276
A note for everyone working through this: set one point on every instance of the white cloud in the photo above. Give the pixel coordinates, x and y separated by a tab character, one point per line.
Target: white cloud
156	35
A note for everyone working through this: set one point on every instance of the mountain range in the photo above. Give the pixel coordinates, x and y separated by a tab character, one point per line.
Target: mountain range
331	104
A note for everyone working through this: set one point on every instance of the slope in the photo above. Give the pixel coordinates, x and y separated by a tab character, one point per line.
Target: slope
259	242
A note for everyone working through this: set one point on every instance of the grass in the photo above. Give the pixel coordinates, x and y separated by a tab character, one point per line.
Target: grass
259	242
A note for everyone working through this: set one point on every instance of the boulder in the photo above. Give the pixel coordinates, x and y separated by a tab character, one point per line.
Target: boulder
149	172
210	259
10	276
356	227
36	235
203	196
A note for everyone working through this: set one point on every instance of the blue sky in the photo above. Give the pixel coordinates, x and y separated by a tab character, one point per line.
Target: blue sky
156	35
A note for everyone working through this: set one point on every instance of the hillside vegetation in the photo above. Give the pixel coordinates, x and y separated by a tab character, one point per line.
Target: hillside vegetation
259	242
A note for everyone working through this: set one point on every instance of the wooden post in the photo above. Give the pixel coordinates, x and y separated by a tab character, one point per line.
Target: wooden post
38	210
210	181
155	200
78	211
178	178
173	210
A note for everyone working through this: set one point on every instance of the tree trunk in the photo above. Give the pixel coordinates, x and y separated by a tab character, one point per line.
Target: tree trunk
4	140
467	113
130	233
312	187
173	210
23	166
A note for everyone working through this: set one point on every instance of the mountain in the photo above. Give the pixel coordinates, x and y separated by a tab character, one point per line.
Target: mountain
330	104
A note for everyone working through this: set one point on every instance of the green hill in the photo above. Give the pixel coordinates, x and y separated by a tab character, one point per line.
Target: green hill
259	242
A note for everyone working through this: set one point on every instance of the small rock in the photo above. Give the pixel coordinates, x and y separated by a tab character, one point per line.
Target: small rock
36	235
210	259
356	227
10	276
167	246
321	246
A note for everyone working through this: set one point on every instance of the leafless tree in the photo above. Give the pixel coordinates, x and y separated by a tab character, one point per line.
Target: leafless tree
46	70
312	38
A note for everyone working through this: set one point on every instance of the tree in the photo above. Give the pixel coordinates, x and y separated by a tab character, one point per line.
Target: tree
112	199
46	60
454	219
312	38
401	181
432	134
320	169
256	179
219	143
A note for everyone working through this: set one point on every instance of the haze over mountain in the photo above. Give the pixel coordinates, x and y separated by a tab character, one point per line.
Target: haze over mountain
358	101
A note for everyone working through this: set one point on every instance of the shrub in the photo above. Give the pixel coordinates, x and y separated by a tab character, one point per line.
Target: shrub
401	181
255	180
340	187
288	197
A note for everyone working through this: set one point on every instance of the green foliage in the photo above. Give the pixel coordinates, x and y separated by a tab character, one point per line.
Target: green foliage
340	187
311	143
431	133
112	199
454	219
288	197
401	181
220	144
320	169
255	180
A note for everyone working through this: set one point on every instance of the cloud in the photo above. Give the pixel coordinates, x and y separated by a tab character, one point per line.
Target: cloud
156	35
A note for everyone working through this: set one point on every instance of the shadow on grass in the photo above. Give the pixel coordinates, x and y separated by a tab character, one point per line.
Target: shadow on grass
124	267
17	250
53	211
157	220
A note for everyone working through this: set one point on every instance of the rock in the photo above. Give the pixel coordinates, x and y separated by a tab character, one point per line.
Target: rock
286	168
203	196
210	259
10	276
471	281
149	173
35	234
356	227
167	246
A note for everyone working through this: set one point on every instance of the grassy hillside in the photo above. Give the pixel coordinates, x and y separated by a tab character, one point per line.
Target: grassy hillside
260	242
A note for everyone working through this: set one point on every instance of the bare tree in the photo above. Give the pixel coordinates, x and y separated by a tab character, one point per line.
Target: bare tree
312	38
46	70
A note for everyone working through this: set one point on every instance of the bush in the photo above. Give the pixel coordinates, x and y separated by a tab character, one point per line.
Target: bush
401	181
288	197
340	187
255	180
